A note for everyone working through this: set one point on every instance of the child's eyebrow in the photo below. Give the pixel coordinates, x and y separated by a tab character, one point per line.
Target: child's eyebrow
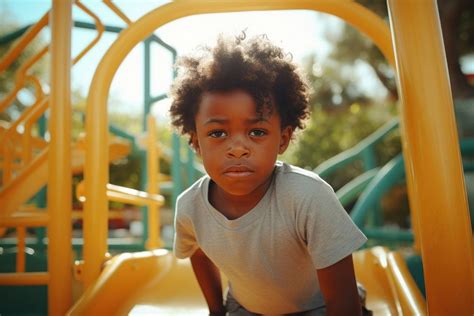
225	120
216	120
257	120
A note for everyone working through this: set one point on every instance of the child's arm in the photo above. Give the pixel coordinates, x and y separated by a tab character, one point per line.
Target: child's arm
209	280
339	289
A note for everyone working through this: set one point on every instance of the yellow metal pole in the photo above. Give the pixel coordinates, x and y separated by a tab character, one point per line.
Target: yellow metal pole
20	256
59	161
153	241
8	157
30	219
96	168
434	170
96	177
28	278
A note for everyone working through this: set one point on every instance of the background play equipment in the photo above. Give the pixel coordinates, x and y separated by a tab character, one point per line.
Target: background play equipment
431	157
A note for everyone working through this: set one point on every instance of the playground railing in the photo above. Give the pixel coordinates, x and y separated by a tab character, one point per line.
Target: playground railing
364	151
32	114
13	163
368	188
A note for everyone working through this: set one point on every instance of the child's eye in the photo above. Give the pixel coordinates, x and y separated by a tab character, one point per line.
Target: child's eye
217	134
258	132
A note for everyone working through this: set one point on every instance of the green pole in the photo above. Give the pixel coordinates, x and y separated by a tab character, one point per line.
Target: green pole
146	111
190	167
175	169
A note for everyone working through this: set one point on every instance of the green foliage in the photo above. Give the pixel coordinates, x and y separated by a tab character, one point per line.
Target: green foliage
466	30
345	111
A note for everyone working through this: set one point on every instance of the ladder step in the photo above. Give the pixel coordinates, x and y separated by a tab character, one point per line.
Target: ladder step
29	219
24	278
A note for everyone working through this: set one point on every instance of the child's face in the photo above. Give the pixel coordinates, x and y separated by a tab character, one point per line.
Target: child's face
238	148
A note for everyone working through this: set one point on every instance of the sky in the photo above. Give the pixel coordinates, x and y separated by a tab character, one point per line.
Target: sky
299	32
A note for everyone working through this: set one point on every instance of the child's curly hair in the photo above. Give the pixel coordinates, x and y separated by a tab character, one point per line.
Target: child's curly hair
255	65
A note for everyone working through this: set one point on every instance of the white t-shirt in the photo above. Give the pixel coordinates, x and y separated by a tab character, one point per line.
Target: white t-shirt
270	254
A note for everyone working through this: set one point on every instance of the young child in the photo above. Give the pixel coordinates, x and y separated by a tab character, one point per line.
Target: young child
277	232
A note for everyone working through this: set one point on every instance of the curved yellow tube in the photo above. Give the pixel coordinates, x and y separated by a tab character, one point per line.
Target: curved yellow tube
96	171
99	27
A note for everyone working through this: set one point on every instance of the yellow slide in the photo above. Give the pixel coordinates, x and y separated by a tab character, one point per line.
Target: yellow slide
143	283
390	287
156	283
32	178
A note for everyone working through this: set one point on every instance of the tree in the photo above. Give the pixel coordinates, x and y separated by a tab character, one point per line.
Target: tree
457	23
336	86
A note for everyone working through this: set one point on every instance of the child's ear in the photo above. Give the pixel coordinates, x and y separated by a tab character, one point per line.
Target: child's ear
195	143
286	135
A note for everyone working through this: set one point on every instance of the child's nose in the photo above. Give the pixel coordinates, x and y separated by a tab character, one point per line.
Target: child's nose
238	149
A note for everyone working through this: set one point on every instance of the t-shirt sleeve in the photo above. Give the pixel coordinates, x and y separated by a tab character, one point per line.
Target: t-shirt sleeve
326	228
184	244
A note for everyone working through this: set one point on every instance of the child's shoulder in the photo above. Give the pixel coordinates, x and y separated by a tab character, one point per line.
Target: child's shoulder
298	182
299	175
189	196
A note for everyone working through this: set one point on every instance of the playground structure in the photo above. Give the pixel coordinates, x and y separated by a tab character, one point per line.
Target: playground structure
130	281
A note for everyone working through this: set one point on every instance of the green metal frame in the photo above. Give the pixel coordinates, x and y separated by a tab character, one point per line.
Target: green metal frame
364	151
369	187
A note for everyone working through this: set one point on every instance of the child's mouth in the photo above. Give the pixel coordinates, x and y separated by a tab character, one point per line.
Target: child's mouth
238	171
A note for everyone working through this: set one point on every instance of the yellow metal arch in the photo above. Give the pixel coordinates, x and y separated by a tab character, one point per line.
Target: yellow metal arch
96	171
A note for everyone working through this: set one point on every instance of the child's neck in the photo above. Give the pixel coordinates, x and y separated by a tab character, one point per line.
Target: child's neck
235	206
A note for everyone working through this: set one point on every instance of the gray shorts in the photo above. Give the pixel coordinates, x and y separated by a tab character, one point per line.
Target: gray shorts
235	309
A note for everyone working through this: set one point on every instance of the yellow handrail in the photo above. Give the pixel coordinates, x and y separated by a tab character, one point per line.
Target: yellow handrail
29	120
126	195
99	27
113	214
117	11
9	148
15	50
21	77
11	130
